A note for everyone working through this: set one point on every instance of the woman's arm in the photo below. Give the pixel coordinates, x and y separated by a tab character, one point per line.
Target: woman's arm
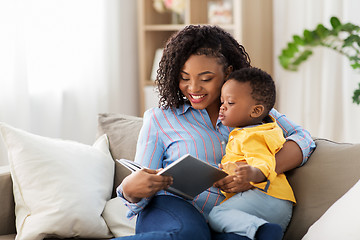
137	188
289	157
298	147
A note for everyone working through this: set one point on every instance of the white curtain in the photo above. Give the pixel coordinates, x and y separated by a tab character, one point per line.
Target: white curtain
319	95
64	61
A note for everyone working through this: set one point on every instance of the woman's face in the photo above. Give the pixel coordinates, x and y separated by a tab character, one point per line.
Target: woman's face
201	80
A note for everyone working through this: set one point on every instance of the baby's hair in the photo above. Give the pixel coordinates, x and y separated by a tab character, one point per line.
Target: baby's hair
261	83
200	40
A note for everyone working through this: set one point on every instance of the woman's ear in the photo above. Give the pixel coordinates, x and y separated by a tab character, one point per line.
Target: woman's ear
257	111
228	70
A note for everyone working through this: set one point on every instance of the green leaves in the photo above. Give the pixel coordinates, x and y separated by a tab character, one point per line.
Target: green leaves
335	22
343	38
356	96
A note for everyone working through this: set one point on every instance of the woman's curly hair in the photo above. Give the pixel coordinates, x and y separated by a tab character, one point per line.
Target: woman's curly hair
200	40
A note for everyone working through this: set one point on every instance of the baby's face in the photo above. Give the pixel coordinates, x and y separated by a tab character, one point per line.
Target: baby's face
236	104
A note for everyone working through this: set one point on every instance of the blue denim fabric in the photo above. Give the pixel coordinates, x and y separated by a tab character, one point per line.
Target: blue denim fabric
172	218
245	212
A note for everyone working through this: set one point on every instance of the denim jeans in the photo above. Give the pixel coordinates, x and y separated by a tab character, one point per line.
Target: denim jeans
245	212
172	218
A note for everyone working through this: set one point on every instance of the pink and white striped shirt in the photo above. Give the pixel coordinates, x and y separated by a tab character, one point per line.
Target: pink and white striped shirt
167	134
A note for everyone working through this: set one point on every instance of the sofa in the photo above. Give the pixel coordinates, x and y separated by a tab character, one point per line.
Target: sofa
325	187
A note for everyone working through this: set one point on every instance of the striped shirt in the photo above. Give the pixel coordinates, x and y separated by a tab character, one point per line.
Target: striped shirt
167	134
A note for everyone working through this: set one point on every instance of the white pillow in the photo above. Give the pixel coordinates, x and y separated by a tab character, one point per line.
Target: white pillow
115	217
60	187
341	220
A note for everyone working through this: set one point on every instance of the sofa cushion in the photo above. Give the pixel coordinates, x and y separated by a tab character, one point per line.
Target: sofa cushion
60	187
122	131
7	209
8	237
330	172
114	215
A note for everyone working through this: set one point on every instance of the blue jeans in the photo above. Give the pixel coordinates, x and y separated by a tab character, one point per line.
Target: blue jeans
245	212
172	218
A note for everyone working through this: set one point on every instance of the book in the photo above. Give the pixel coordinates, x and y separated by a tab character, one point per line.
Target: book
191	176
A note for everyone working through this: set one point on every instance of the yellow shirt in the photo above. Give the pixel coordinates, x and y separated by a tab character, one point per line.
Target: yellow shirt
257	147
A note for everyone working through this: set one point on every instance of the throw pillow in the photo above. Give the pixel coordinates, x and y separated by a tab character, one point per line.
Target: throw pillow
114	215
340	221
60	187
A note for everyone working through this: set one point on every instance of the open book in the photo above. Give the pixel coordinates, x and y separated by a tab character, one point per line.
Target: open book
191	176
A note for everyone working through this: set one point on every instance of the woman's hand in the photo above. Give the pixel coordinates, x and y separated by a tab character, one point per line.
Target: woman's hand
233	184
144	183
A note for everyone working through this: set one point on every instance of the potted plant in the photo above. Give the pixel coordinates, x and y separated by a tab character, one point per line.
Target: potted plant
343	38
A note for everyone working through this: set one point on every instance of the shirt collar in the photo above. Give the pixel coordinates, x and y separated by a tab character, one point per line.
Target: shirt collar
183	109
250	126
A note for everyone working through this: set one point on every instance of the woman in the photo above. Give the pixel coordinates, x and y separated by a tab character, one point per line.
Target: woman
193	68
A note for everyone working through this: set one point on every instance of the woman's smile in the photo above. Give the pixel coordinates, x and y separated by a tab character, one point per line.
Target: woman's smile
196	98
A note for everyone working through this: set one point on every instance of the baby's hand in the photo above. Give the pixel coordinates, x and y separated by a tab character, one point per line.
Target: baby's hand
246	173
229	167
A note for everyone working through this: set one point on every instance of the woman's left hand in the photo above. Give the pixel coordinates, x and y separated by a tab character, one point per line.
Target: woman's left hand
232	184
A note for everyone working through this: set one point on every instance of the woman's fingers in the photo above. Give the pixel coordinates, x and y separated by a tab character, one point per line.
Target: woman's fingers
222	182
232	185
144	183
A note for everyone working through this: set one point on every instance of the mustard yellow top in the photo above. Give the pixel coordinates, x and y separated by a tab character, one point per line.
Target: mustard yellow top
257	146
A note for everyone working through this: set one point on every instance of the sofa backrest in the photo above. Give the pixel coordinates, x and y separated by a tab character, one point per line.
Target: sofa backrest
7	205
122	131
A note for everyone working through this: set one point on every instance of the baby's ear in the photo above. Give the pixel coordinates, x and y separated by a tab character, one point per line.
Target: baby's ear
257	111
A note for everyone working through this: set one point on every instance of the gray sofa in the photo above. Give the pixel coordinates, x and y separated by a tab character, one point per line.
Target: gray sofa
330	172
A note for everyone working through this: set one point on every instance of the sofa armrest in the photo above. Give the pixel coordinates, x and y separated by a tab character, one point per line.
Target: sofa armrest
7	209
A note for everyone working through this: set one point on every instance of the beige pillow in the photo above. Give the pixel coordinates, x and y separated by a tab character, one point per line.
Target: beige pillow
329	173
114	215
60	187
341	220
122	131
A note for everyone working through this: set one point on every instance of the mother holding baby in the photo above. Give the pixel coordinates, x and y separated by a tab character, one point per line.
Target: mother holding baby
195	64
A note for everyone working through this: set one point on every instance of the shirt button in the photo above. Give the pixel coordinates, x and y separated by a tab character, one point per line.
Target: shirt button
223	142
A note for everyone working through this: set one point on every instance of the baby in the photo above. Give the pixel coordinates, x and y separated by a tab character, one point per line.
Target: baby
246	100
